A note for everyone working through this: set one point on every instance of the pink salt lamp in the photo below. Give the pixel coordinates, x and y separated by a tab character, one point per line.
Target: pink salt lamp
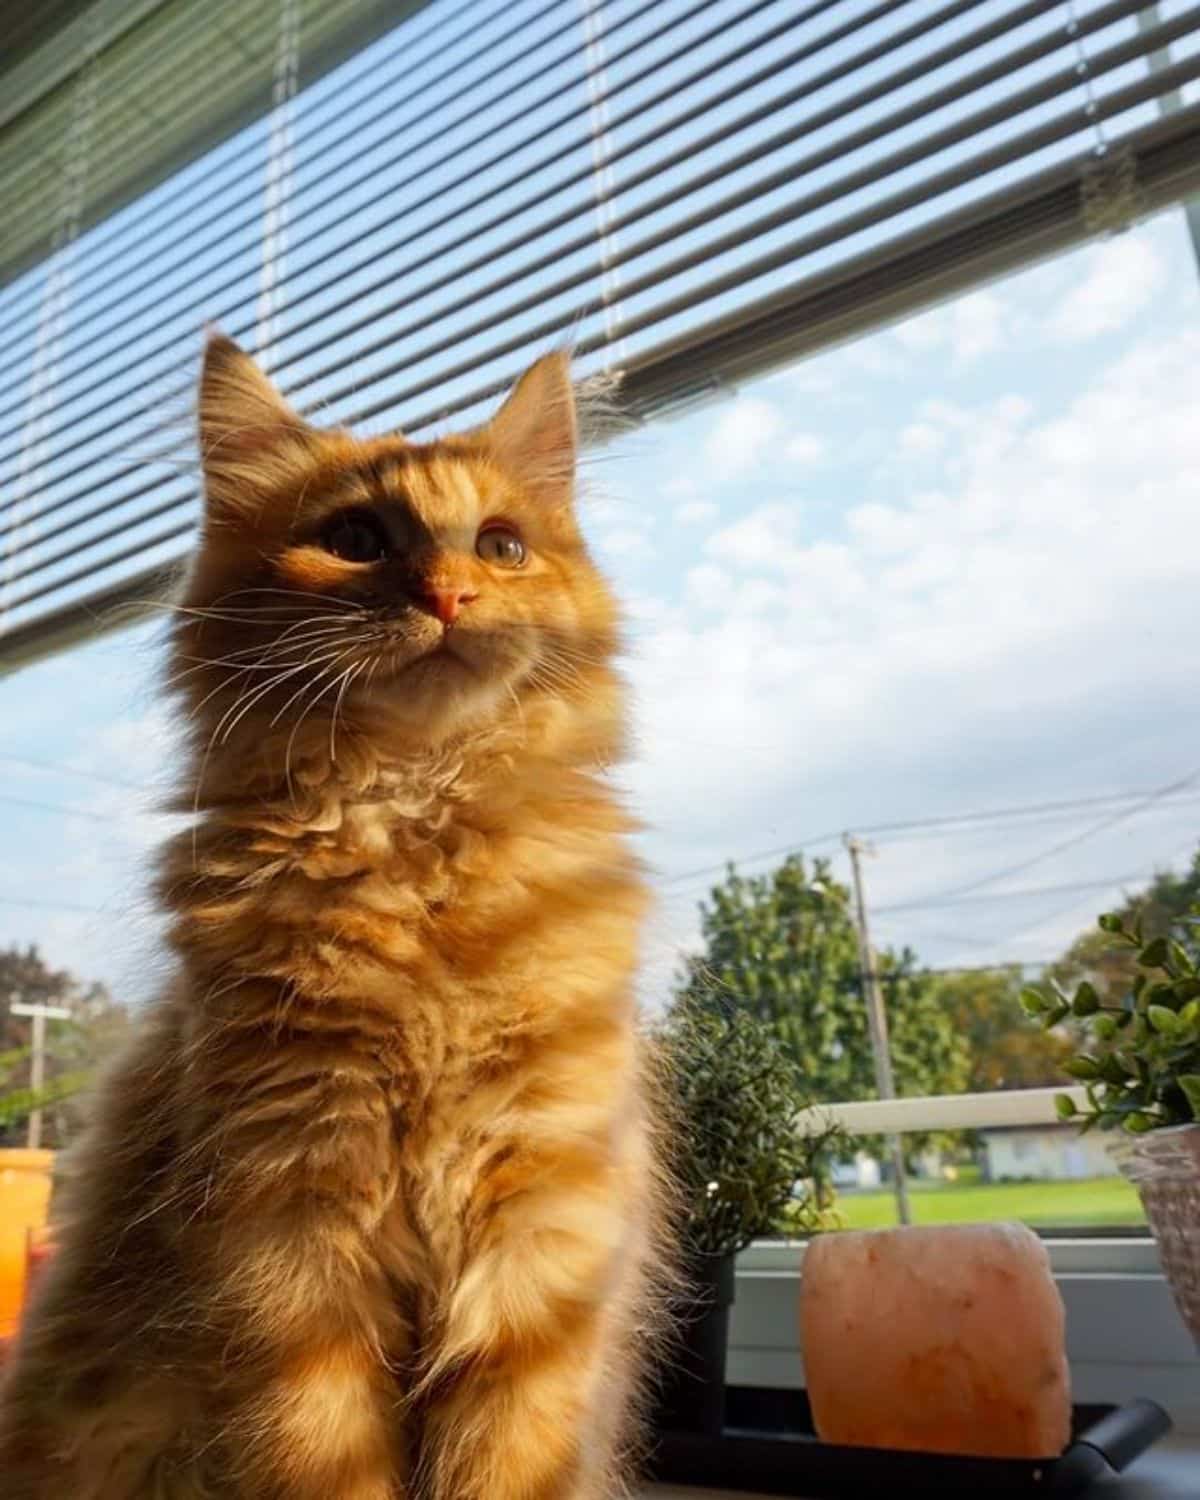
943	1340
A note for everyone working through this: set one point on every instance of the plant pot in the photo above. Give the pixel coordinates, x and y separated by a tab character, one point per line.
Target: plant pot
1164	1165
693	1388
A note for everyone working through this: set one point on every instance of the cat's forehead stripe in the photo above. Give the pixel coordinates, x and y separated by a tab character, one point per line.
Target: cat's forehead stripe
424	478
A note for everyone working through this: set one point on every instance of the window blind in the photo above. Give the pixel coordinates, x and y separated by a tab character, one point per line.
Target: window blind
693	191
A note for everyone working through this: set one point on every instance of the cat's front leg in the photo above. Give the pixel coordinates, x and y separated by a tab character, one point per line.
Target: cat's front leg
294	1173
531	1372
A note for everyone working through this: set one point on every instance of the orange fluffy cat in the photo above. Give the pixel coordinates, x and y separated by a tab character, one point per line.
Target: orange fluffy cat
370	1210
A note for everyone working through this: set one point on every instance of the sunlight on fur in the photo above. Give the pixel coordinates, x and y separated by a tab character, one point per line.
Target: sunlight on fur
371	1209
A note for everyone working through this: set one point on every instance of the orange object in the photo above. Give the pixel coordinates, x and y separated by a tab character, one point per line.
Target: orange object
942	1340
24	1204
39	1248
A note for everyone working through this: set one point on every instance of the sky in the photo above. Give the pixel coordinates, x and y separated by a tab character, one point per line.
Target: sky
944	572
947	569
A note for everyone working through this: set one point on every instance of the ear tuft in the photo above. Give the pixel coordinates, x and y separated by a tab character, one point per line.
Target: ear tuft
534	433
250	438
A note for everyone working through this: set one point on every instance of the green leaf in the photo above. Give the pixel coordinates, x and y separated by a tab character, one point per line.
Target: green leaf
1110	922
1164	1021
1033	1002
1138	1123
1190	1084
1060	1012
1065	1107
1082	1067
1153	955
1105	1027
1181	959
1086	1001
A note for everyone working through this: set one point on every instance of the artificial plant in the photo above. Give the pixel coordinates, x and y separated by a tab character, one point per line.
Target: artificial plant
1140	1065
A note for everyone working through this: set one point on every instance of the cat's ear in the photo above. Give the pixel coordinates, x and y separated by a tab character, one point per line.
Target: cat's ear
534	434
252	443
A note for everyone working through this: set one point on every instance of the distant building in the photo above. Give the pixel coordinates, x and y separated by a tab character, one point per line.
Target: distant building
863	1172
1049	1153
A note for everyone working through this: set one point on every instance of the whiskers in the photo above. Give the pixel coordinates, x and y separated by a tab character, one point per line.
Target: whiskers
565	665
309	652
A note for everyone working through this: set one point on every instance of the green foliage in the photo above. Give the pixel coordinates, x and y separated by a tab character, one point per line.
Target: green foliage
73	1047
1160	911
1143	1070
783	947
18	1104
745	1162
1006	1049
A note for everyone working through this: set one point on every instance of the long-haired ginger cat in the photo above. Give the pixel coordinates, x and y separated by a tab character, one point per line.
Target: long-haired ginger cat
369	1212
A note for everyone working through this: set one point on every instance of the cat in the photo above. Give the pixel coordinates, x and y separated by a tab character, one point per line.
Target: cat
372	1208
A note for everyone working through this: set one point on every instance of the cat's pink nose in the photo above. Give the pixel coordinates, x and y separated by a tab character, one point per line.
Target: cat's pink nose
445	604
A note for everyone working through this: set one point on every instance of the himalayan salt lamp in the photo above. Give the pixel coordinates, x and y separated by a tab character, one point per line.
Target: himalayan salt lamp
943	1340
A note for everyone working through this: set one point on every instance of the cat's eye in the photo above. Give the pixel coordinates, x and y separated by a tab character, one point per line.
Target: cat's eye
356	536
501	546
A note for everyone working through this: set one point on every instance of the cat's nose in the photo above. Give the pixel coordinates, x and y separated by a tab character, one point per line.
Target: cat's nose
444	603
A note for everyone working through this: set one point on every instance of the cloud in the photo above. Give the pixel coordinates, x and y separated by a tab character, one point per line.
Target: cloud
760	539
695	512
679	485
628	542
921	438
1122	277
742	436
966	328
1011	628
805	448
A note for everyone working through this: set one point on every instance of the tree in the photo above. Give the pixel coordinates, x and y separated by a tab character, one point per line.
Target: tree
73	1048
1007	1050
783	946
1162	910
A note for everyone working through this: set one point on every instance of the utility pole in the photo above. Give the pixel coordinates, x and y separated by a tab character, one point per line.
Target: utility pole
37	1060
885	1085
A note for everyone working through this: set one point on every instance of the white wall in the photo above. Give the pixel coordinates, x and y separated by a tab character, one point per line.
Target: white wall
1049	1155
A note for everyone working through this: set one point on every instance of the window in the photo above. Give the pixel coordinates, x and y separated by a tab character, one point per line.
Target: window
905	544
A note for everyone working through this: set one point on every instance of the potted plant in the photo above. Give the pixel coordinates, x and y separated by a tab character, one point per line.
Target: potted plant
742	1159
1141	1073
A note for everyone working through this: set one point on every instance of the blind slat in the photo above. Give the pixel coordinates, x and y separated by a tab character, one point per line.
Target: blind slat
333	29
879	210
440	253
208	179
475	170
252	195
874	173
759	199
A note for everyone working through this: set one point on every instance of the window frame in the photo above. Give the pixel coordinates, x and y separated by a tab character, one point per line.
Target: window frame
1125	1337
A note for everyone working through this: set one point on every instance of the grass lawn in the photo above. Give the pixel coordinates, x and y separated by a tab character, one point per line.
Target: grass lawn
1092	1203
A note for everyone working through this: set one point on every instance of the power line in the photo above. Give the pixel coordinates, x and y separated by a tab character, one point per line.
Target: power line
94	911
1033	821
999	967
1063	845
56	807
1028	892
65	770
952	820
